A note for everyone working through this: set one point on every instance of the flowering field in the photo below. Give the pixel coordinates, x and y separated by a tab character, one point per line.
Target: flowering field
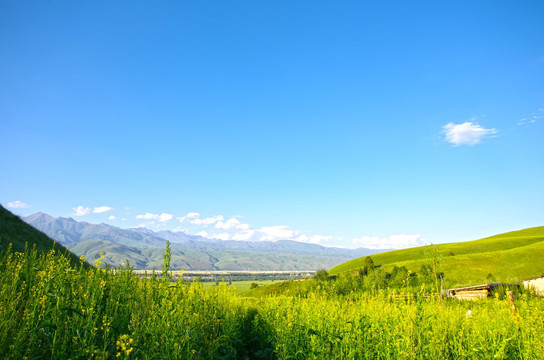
52	310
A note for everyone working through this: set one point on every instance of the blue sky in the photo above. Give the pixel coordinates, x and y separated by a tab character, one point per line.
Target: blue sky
340	123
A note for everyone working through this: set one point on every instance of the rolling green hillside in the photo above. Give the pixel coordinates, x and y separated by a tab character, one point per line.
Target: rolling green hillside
509	257
15	231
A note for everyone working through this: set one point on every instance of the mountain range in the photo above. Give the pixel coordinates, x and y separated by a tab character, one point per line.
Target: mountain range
143	248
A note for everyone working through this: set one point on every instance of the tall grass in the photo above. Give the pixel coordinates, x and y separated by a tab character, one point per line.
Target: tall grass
375	327
50	309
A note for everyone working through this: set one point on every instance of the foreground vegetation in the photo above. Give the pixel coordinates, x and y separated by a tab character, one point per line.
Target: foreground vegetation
52	309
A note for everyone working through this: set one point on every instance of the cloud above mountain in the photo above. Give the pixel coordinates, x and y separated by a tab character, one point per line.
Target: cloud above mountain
400	241
85	210
162	218
81	211
102	209
18	205
234	229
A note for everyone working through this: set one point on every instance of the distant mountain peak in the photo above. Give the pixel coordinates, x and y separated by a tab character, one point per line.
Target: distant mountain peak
39	217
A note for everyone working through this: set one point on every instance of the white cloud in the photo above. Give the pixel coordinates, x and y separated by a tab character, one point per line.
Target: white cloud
229	224
316	239
111	217
222	236
467	133
18	205
531	119
217	227
207	221
160	218
243	235
181	219
165	217
147	216
102	209
243	226
81	211
401	241
271	233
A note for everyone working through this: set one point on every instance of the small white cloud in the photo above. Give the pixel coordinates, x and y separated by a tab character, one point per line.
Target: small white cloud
532	118
271	233
18	205
243	227
207	221
165	217
102	209
160	218
192	215
111	217
81	211
202	233
316	239
181	218
467	133
147	216
243	235
222	236
229	224
401	241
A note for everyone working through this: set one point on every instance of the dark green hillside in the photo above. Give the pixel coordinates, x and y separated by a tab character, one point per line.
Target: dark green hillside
508	257
15	231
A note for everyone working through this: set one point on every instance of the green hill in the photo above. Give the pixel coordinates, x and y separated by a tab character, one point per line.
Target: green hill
508	257
15	231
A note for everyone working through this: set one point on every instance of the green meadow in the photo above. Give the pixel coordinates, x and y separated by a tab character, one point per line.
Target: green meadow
508	257
54	310
239	287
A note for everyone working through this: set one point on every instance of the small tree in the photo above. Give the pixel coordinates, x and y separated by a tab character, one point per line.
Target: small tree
426	274
434	259
368	265
167	256
321	275
399	277
375	279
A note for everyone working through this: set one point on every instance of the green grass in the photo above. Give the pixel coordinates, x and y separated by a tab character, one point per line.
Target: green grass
54	310
289	287
238	287
509	257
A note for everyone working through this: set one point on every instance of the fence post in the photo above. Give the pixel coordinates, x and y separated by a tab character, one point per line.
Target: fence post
511	300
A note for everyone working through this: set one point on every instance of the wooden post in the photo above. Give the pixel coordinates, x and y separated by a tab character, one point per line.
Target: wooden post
511	300
441	289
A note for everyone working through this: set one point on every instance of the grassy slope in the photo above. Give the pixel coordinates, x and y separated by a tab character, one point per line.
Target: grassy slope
509	257
15	231
276	288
